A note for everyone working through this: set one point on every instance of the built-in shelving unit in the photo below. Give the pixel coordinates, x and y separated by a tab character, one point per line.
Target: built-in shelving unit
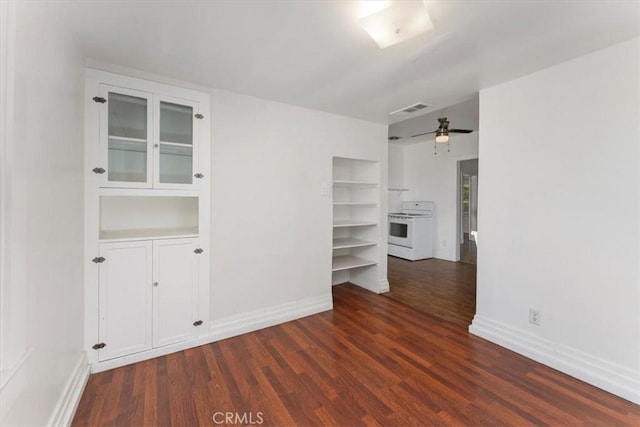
356	206
147	216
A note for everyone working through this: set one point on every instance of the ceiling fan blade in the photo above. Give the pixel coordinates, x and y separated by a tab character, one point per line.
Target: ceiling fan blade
460	131
426	133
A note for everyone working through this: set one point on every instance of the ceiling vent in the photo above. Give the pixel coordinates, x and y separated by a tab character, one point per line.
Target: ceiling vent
410	109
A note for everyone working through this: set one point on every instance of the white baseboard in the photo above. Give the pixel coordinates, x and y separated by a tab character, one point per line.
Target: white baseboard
383	286
613	378
258	319
66	407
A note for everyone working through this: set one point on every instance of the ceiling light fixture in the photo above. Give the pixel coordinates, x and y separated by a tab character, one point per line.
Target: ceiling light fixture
442	137
399	21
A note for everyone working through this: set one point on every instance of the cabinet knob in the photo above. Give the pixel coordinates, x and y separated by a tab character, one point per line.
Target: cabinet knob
155	283
156	145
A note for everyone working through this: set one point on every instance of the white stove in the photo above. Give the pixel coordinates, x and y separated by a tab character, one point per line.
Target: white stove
411	231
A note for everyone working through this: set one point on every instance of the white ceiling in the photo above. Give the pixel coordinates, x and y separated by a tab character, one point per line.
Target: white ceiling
314	53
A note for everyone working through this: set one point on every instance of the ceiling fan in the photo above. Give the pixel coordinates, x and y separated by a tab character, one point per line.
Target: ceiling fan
442	133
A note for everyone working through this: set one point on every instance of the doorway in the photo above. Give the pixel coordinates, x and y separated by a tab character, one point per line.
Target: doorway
467	210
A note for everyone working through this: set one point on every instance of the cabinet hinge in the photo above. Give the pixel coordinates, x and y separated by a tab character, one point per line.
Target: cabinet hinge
99	99
99	259
197	323
198	251
198	175
99	346
98	170
199	116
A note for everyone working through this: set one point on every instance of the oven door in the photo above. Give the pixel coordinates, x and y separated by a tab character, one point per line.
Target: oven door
401	232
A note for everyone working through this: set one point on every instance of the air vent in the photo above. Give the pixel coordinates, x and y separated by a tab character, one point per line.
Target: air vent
410	109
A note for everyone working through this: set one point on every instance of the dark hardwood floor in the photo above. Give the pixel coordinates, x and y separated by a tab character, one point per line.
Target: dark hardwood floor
371	361
443	288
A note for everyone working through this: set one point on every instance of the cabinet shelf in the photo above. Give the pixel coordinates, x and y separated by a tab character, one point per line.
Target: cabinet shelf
176	144
347	262
372	204
348	242
147	234
353	223
345	183
127	144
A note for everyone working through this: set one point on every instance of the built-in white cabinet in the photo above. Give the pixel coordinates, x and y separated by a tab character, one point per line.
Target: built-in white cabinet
148	295
125	277
147	216
356	211
145	138
175	291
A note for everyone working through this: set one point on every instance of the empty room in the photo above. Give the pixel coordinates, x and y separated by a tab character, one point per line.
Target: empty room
319	213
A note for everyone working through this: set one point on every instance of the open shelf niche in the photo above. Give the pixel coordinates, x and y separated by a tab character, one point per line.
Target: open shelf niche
356	207
126	218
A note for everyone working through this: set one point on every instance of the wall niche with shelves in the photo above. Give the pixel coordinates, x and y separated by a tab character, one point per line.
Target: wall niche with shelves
356	210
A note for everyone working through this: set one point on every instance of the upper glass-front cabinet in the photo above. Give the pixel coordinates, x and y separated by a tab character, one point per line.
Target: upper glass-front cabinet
176	151
147	141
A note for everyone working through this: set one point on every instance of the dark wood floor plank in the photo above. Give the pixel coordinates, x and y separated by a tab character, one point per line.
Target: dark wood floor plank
372	361
442	288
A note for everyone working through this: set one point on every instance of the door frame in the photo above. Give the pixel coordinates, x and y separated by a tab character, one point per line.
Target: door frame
459	232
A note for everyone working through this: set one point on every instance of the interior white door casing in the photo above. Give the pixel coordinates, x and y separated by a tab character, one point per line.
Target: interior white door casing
125	298
175	292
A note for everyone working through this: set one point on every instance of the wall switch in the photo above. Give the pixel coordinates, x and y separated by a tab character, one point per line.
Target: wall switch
444	242
534	316
324	189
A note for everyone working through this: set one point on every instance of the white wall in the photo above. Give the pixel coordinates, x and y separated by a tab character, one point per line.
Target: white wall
271	227
559	217
43	208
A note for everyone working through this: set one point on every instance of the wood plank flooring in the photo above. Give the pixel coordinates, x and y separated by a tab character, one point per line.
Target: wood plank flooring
371	361
443	288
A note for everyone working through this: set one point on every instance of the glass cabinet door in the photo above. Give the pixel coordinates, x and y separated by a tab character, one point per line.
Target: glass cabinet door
175	162
126	135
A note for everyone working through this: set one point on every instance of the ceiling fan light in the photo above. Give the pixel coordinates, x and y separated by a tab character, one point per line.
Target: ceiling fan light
442	137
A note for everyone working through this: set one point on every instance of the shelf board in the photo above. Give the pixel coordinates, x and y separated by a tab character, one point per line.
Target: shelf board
346	262
151	192
373	204
126	138
353	223
348	242
176	144
147	234
339	182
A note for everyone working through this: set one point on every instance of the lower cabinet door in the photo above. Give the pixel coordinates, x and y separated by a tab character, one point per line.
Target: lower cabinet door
175	292
125	298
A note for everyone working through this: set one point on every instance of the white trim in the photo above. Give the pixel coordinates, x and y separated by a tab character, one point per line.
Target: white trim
258	319
608	376
383	286
146	355
229	327
70	397
9	373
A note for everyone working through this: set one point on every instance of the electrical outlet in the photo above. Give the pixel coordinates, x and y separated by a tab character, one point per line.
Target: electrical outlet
324	189
534	316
